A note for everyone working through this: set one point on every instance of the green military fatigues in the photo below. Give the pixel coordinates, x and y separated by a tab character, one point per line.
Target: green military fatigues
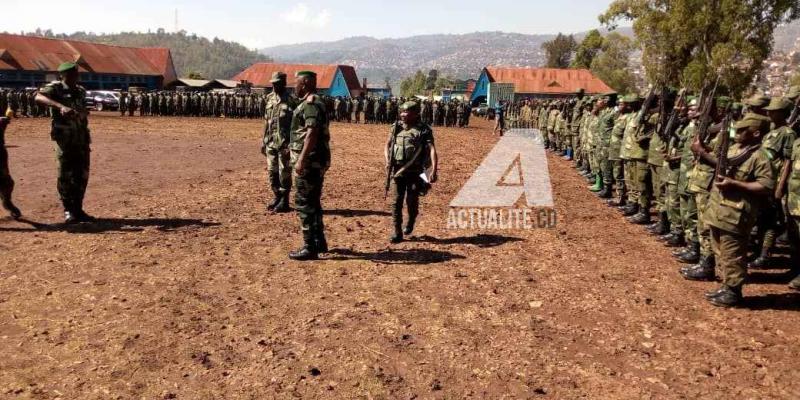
614	149
635	149
409	157
72	139
6	183
310	113
279	113
731	216
672	173
700	179
655	159
591	138
793	201
687	200
605	124
778	146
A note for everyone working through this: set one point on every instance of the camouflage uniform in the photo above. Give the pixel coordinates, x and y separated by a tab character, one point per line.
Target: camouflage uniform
72	139
310	113
408	157
6	183
279	115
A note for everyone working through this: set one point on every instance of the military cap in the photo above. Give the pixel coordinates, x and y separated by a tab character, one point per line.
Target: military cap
752	120
693	101
779	103
757	100
310	74
66	66
793	93
631	98
278	76
410	106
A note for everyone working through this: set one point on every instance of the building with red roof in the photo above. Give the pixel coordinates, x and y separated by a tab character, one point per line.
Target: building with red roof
332	80
30	61
538	82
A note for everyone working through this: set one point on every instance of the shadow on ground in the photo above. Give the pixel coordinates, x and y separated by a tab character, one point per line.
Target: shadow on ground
103	225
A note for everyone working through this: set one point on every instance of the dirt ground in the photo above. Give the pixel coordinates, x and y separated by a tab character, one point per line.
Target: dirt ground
184	291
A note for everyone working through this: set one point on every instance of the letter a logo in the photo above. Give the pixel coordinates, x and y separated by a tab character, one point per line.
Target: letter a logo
516	166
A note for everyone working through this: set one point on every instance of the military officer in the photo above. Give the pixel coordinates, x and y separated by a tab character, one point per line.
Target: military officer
309	145
409	150
275	143
6	183
70	131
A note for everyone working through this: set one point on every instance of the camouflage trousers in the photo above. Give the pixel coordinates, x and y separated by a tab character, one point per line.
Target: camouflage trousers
730	251
659	186
703	229
6	183
770	223
73	174
618	175
405	189
638	181
672	198
605	165
569	142
308	201
279	171
689	216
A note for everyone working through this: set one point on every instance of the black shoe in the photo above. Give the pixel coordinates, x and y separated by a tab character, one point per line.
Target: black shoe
704	271
397	237
70	218
283	205
714	293
84	217
305	253
321	243
642	218
727	297
692	255
676	240
795	283
275	201
12	209
630	210
606	193
759	263
408	229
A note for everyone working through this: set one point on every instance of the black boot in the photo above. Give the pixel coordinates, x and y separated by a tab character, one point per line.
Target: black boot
12	209
630	209
309	250
275	201
320	242
283	204
409	227
727	297
606	192
662	227
761	262
676	239
702	271
692	256
642	218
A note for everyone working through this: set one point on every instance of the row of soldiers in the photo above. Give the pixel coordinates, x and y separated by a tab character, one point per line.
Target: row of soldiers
21	103
369	110
722	177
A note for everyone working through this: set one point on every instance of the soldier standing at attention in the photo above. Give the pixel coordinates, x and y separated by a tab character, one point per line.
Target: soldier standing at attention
70	131
275	144
735	198
792	177
311	158
408	151
6	183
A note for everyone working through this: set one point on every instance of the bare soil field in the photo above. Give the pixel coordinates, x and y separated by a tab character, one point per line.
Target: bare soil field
183	289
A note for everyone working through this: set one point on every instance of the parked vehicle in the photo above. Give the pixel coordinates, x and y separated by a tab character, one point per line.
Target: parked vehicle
102	100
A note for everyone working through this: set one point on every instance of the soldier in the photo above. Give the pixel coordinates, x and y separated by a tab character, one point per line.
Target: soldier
791	177
778	145
604	128
275	144
735	198
627	110
500	119
70	132
6	183
311	157
408	151
123	103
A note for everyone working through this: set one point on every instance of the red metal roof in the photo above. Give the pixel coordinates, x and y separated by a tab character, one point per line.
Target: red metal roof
260	74
548	80
32	53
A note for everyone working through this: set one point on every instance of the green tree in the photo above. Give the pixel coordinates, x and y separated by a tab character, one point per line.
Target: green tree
692	42
588	49
612	63
559	51
413	85
433	76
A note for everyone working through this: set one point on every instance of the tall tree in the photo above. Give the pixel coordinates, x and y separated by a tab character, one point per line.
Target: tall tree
588	49
559	51
612	63
692	42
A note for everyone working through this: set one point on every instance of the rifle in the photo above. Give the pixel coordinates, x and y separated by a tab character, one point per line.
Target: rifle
647	105
794	116
662	115
705	119
390	167
668	130
723	145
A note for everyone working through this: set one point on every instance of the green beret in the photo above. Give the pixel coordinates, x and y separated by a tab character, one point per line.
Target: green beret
779	103
410	106
310	74
631	98
278	76
757	100
67	66
752	120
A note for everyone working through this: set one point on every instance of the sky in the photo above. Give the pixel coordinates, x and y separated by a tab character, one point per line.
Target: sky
259	24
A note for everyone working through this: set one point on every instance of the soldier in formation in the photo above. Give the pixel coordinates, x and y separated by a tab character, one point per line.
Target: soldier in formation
6	183
280	107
